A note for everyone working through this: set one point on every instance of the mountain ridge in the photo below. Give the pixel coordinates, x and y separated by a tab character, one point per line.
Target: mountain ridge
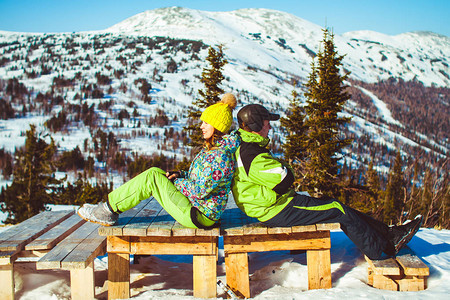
406	55
269	39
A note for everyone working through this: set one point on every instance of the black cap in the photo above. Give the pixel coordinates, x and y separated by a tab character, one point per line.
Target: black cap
253	116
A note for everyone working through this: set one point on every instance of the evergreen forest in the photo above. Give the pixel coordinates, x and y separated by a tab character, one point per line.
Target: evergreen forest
318	134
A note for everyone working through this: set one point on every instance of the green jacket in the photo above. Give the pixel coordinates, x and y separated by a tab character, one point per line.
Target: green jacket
262	184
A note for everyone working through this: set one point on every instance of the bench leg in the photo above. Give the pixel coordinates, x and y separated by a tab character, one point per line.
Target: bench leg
82	284
7	282
236	265
411	283
118	276
205	276
370	276
384	282
319	269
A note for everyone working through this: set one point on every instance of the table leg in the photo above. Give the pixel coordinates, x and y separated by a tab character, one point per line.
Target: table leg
205	276
118	275
236	265
7	282
319	269
82	283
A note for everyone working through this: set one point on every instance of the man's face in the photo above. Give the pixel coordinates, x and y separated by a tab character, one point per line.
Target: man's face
264	132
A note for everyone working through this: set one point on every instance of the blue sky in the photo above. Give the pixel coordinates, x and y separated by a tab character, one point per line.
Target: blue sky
386	16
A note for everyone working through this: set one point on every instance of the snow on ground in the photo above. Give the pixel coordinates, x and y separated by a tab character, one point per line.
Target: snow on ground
274	275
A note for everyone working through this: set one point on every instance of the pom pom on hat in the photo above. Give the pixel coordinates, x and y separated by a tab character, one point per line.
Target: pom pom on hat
219	115
230	100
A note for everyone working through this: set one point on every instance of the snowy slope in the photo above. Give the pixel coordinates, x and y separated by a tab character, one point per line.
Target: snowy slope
256	37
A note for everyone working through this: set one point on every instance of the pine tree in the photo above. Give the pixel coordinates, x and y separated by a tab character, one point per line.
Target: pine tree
326	97
412	205
211	78
395	193
373	185
293	149
33	183
372	180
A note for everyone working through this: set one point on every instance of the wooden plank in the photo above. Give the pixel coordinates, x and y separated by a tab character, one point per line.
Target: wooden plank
208	232
384	267
140	222
162	224
30	255
82	284
319	269
19	235
328	226
180	230
411	284
384	282
52	237
304	228
255	228
204	269
279	230
369	275
411	264
13	230
294	241
8	257
53	259
85	252
118	276
182	245
118	244
238	280
124	219
7	282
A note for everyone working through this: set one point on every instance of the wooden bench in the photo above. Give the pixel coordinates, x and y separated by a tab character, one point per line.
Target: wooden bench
148	229
52	240
406	272
242	234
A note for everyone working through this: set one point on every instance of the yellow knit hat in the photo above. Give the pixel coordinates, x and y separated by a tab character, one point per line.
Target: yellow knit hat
219	115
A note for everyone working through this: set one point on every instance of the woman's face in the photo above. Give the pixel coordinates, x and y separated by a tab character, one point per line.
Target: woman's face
207	130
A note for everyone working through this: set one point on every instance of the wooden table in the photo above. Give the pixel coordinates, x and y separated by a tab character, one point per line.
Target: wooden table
242	235
148	229
52	240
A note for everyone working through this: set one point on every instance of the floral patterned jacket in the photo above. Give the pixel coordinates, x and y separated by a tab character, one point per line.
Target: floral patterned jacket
208	181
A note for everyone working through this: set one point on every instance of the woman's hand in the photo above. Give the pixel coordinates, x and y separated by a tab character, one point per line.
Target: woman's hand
172	175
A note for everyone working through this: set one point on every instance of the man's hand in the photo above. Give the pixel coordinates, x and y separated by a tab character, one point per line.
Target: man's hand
172	175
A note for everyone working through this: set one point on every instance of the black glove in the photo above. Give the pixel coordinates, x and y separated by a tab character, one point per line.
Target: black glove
172	175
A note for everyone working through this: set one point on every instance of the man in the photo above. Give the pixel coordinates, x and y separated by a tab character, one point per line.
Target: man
262	188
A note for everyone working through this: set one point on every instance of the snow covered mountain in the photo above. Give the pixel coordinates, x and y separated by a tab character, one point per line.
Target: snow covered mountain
267	50
273	39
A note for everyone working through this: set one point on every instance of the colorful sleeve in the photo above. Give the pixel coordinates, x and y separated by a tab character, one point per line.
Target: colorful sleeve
215	168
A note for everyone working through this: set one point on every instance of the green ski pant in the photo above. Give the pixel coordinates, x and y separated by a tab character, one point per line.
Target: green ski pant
153	182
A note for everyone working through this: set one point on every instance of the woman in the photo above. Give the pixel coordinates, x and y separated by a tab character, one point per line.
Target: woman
196	199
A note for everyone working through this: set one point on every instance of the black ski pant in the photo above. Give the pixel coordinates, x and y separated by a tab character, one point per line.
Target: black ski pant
368	234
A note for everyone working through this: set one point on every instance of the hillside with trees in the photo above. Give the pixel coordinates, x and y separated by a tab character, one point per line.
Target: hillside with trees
110	105
317	136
